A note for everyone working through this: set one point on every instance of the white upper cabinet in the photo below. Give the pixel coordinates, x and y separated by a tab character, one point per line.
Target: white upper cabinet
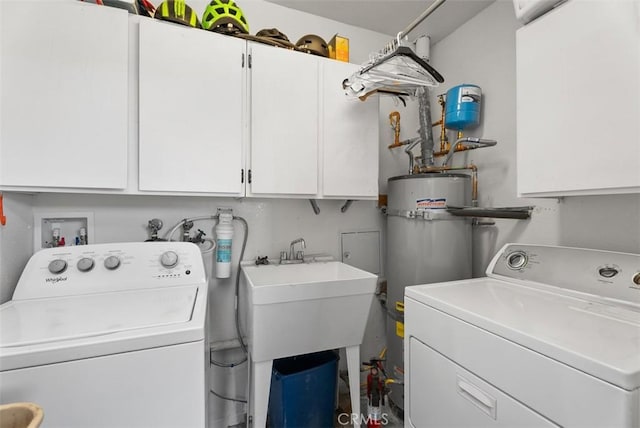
63	80
192	87
216	115
284	121
349	138
307	138
578	100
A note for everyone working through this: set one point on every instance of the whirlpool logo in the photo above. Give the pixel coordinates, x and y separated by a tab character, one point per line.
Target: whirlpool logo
55	279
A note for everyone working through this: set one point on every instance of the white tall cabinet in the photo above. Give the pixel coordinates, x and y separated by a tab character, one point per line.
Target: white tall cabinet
578	100
191	90
63	86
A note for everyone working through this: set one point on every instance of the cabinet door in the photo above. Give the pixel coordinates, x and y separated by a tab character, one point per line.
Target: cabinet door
284	121
349	138
578	100
64	95
191	100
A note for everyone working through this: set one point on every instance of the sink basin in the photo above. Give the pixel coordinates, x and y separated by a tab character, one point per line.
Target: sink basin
300	308
278	283
20	415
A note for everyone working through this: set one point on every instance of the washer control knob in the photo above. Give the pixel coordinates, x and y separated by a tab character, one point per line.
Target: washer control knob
636	279
57	266
112	262
517	260
85	264
169	259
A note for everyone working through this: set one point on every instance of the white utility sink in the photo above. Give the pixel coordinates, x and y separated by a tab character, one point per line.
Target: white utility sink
296	309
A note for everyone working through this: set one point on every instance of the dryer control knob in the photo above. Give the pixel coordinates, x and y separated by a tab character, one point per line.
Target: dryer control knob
112	262
169	259
636	278
57	266
85	264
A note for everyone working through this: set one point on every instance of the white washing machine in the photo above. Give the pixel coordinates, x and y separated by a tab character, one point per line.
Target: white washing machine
551	337
109	335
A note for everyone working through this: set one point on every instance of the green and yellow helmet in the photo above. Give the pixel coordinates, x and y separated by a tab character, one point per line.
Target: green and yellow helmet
224	16
177	11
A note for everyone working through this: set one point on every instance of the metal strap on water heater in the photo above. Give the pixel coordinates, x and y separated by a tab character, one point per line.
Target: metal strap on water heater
428	215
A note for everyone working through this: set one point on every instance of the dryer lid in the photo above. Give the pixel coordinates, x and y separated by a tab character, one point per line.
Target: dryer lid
42	321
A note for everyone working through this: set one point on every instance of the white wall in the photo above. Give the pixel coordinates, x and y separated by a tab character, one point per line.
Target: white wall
482	52
16	241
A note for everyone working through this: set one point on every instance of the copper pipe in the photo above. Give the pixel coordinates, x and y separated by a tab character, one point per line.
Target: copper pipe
474	143
394	120
459	148
474	177
444	144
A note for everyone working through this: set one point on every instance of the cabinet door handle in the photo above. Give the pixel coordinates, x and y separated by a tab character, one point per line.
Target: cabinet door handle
477	397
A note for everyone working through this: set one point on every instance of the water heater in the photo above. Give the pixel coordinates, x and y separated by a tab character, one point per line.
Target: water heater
425	244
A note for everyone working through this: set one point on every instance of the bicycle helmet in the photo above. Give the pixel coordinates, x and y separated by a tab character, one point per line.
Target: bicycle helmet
276	37
313	44
224	16
177	11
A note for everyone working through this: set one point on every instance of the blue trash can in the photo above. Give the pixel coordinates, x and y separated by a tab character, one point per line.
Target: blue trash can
303	391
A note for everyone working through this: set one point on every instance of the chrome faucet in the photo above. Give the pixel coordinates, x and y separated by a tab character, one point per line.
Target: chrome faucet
293	257
300	254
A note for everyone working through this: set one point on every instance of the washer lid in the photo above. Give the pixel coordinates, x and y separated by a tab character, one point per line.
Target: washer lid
41	321
595	336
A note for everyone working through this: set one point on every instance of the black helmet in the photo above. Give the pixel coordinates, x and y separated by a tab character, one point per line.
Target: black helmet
270	36
276	36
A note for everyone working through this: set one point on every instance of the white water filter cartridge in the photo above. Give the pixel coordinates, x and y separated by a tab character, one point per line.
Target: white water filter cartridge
224	238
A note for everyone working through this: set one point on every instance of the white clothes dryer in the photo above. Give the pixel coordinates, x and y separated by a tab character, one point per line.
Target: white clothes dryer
109	335
551	337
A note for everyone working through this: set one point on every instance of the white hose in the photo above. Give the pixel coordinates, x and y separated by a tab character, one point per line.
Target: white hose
168	236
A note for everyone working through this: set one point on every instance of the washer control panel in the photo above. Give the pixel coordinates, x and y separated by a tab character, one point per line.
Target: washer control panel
604	273
99	268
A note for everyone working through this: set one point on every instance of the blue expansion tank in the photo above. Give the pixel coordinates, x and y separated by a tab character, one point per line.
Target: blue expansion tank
462	109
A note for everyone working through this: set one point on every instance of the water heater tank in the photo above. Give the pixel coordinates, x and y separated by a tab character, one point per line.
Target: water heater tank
462	108
425	244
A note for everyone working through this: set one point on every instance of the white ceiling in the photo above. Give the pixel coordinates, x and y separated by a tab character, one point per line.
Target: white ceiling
392	16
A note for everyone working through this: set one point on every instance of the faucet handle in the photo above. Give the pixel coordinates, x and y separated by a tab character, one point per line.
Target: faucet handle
300	255
284	255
